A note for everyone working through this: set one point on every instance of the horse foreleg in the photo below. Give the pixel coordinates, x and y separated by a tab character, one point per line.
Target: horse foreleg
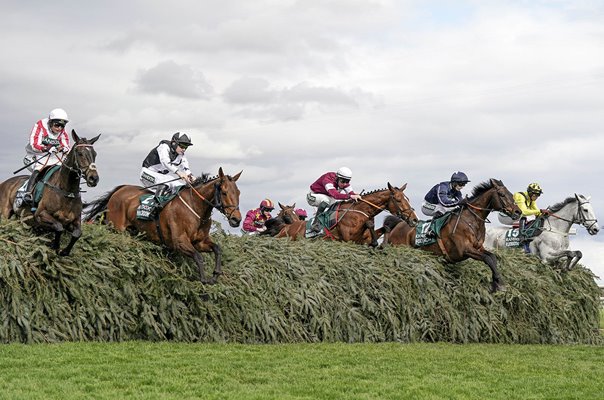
75	235
204	247
491	260
577	256
44	219
369	225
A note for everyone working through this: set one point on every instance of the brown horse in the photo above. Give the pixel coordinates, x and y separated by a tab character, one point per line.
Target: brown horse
60	207
286	215
355	219
463	235
184	223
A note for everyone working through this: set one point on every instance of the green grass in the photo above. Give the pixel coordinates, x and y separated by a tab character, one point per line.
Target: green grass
299	371
602	318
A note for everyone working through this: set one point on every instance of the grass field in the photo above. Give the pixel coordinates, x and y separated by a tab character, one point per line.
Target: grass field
144	370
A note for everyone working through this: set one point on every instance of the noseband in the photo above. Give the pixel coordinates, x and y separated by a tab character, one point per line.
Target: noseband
219	205
78	169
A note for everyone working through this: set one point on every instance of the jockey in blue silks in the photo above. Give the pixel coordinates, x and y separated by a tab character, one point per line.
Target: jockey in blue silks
444	196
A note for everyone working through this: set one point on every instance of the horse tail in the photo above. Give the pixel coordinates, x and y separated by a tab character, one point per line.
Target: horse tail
391	221
98	207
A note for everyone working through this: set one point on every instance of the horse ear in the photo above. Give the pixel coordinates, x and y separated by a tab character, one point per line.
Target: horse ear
237	176
94	139
220	173
294	205
404	187
389	186
280	205
75	136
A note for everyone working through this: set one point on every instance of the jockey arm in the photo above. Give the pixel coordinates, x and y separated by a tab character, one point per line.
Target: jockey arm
447	196
253	221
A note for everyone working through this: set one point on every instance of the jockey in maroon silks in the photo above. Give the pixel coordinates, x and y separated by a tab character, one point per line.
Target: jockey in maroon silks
329	188
256	219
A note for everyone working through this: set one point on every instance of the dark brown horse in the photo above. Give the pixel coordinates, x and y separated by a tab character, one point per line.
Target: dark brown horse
286	215
184	223
60	207
462	237
355	219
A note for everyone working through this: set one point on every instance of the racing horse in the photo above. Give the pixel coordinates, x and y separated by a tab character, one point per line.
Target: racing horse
286	215
462	236
354	219
60	205
184	223
552	244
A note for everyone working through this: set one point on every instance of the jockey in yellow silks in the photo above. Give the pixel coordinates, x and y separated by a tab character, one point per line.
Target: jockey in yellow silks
527	202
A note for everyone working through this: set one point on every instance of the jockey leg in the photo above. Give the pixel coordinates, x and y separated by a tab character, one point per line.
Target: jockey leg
522	234
316	225
28	197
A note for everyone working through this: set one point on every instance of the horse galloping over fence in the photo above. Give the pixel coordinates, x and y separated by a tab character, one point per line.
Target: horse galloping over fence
184	223
60	206
552	244
354	219
462	236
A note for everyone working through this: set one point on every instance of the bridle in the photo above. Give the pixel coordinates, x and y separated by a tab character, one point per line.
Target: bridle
78	168
579	217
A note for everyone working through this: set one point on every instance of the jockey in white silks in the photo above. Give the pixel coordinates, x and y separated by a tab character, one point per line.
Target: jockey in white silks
48	144
166	168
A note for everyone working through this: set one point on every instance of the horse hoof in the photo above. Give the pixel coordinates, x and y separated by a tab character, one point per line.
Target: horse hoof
498	287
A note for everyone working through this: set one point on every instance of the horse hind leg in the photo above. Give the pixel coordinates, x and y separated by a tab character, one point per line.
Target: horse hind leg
577	255
75	235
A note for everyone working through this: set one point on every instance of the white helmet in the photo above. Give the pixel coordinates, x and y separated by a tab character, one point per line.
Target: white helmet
58	113
345	173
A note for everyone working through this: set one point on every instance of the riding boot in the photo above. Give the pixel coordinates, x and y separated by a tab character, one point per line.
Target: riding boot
523	235
28	196
431	234
160	193
316	225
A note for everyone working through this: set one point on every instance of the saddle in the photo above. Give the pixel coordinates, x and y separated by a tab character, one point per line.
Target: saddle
151	205
424	227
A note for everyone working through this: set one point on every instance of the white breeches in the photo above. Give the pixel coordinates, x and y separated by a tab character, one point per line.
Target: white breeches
150	178
315	199
430	209
46	161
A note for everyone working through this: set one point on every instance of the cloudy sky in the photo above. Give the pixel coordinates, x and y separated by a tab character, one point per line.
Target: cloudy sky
399	91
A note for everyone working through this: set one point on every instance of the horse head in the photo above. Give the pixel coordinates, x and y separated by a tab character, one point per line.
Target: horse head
288	213
82	158
586	215
399	205
226	197
504	200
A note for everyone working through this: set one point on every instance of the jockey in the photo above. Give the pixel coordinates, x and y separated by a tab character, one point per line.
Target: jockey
329	188
48	143
165	164
527	202
255	219
301	213
444	196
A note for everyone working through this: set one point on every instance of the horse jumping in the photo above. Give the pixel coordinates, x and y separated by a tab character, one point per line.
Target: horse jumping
463	235
60	207
552	244
354	219
184	223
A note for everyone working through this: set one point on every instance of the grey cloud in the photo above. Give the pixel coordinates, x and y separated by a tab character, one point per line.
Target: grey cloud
260	100
174	79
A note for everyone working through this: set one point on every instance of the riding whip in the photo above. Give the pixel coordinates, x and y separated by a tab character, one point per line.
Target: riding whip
33	162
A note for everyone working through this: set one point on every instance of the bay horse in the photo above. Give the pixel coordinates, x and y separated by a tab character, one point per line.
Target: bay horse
60	207
552	244
355	219
184	223
286	215
462	236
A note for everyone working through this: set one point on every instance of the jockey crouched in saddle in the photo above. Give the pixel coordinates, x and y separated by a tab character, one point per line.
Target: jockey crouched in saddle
444	197
48	144
329	188
527	202
255	219
166	168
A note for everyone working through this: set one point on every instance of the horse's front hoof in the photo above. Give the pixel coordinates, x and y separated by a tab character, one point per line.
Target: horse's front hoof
211	281
498	287
64	253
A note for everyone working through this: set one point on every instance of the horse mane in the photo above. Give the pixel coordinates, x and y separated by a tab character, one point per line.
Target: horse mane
482	188
558	206
373	191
